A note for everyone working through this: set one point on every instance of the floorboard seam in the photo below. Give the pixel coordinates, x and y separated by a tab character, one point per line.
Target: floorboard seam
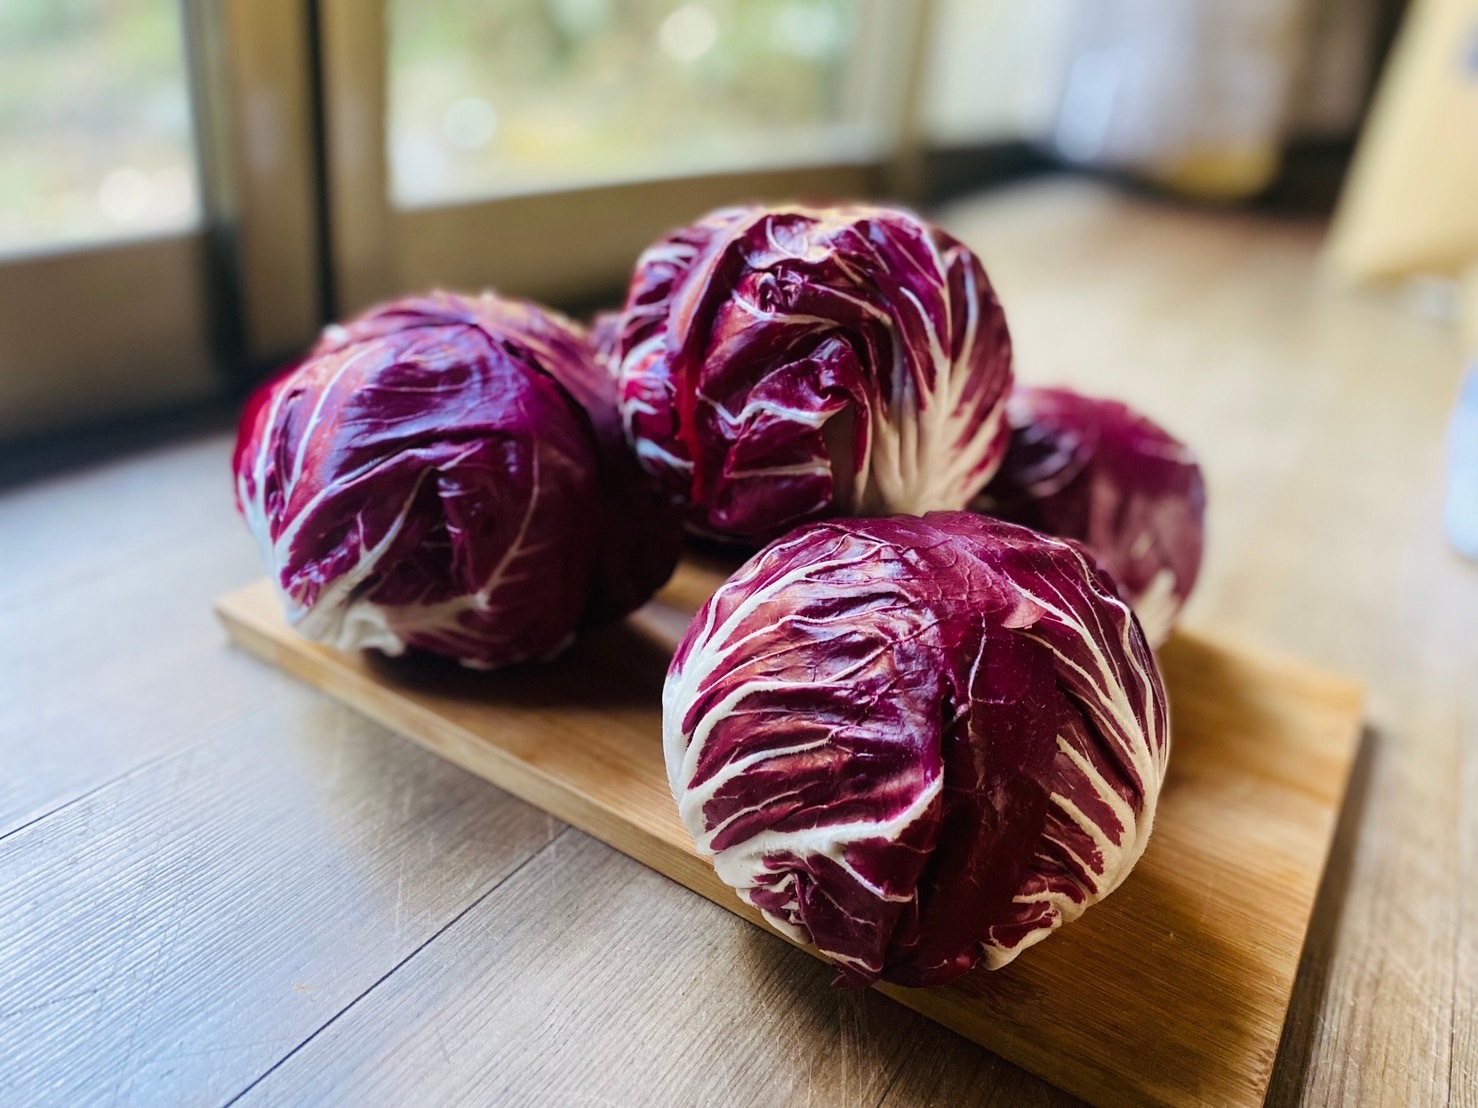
132	771
394	969
897	1074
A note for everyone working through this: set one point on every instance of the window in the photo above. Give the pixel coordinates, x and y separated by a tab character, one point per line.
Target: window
496	99
536	145
188	190
102	308
96	142
156	202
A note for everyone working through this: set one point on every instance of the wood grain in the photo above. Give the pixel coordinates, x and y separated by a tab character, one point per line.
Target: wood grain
946	1071
1177	985
1463	1080
104	605
516	969
167	939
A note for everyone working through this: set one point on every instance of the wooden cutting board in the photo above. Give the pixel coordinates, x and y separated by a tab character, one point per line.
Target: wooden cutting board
1172	991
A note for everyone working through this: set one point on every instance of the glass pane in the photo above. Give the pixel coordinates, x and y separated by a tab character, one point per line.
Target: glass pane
492	98
95	134
993	70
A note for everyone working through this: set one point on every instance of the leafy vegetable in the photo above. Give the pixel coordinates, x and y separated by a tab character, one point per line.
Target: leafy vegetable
450	474
780	365
917	742
1099	472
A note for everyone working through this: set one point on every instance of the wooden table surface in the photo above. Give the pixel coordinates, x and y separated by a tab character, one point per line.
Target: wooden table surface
217	886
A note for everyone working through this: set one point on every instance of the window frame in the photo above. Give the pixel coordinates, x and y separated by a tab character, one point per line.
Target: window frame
94	333
104	331
573	244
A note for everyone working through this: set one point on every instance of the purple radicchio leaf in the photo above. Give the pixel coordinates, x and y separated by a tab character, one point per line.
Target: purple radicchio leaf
778	365
917	742
449	473
1097	471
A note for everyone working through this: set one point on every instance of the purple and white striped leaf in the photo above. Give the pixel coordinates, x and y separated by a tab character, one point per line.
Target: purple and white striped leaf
787	364
917	742
1099	472
450	474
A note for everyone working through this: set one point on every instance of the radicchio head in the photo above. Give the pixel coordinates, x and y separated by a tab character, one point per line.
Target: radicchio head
1097	471
449	473
917	743
784	364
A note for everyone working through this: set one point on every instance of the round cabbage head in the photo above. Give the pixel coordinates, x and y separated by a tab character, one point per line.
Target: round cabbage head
779	365
449	473
1097	471
917	743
